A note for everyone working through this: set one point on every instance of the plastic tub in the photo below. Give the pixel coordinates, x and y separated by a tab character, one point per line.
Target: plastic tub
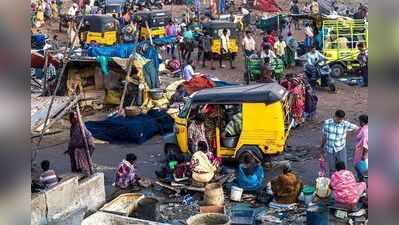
308	194
236	193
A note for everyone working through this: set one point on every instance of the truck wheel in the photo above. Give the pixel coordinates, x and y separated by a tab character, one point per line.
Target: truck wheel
337	70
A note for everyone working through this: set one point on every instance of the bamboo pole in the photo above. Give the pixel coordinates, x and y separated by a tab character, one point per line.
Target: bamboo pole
82	130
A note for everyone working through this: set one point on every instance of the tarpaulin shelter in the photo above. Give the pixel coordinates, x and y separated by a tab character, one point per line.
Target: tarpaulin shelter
267	6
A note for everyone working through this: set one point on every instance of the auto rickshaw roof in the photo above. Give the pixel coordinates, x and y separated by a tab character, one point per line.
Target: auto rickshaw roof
220	24
97	22
256	93
153	13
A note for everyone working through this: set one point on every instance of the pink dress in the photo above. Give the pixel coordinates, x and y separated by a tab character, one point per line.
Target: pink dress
362	142
345	188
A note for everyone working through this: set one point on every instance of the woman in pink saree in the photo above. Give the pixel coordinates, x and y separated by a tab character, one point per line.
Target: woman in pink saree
344	186
362	138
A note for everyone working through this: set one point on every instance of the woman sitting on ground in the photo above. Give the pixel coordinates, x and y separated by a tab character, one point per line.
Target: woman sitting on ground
202	166
286	187
344	186
250	174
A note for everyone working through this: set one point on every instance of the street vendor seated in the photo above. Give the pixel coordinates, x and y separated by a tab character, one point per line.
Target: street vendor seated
126	173
345	189
203	164
250	173
180	95
286	187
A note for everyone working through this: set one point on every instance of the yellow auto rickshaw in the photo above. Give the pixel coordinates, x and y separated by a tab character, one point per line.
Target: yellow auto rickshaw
153	23
101	29
215	29
265	120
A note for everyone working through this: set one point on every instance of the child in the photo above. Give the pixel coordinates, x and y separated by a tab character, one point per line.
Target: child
48	178
126	173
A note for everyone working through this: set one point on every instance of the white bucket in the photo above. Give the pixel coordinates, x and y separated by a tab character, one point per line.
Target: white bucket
236	193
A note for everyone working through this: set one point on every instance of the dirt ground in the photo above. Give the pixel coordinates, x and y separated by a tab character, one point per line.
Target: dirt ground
305	138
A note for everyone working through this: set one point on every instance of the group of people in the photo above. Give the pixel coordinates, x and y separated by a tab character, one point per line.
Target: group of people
45	10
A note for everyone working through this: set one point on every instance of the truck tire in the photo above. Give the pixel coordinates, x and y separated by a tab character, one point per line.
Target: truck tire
245	149
337	70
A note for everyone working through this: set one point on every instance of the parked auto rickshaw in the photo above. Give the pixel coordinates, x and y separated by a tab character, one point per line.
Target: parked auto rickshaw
215	28
101	29
265	116
156	21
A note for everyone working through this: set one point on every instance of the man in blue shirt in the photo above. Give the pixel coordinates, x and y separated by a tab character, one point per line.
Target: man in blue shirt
333	142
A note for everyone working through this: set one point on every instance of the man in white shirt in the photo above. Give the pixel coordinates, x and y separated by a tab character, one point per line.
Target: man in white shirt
73	9
188	71
248	44
224	50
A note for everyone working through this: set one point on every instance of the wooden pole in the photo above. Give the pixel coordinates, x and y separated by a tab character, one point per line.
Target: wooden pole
149	31
82	130
129	71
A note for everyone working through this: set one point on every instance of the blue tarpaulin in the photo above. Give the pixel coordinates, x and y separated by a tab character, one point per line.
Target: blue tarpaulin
125	50
133	130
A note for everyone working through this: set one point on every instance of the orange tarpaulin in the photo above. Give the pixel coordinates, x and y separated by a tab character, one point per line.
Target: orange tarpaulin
197	83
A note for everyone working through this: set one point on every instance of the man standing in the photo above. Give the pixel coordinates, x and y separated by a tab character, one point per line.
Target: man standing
171	30
279	47
363	59
248	44
333	142
224	50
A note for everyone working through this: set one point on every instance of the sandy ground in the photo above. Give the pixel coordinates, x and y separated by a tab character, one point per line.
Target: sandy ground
307	137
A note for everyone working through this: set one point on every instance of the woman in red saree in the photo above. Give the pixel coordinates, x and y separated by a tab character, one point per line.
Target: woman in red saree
296	87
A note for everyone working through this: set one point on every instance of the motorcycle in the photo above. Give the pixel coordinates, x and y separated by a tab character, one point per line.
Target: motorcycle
320	75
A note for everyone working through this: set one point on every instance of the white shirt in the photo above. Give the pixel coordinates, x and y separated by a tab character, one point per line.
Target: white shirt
249	43
309	31
312	58
244	11
72	11
225	42
270	54
188	72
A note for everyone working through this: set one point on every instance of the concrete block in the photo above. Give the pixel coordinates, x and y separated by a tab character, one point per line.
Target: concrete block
103	218
63	198
38	209
92	191
74	217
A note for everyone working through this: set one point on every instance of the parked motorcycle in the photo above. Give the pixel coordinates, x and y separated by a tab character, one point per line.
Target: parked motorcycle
320	75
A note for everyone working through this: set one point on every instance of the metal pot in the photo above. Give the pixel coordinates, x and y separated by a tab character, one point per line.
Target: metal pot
230	142
156	93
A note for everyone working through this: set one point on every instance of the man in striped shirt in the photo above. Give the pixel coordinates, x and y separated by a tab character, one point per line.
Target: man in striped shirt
334	140
48	178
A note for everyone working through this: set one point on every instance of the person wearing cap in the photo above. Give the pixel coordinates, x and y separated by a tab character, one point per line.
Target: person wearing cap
286	187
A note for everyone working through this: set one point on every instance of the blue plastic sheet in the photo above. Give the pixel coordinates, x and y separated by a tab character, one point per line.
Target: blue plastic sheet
116	129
